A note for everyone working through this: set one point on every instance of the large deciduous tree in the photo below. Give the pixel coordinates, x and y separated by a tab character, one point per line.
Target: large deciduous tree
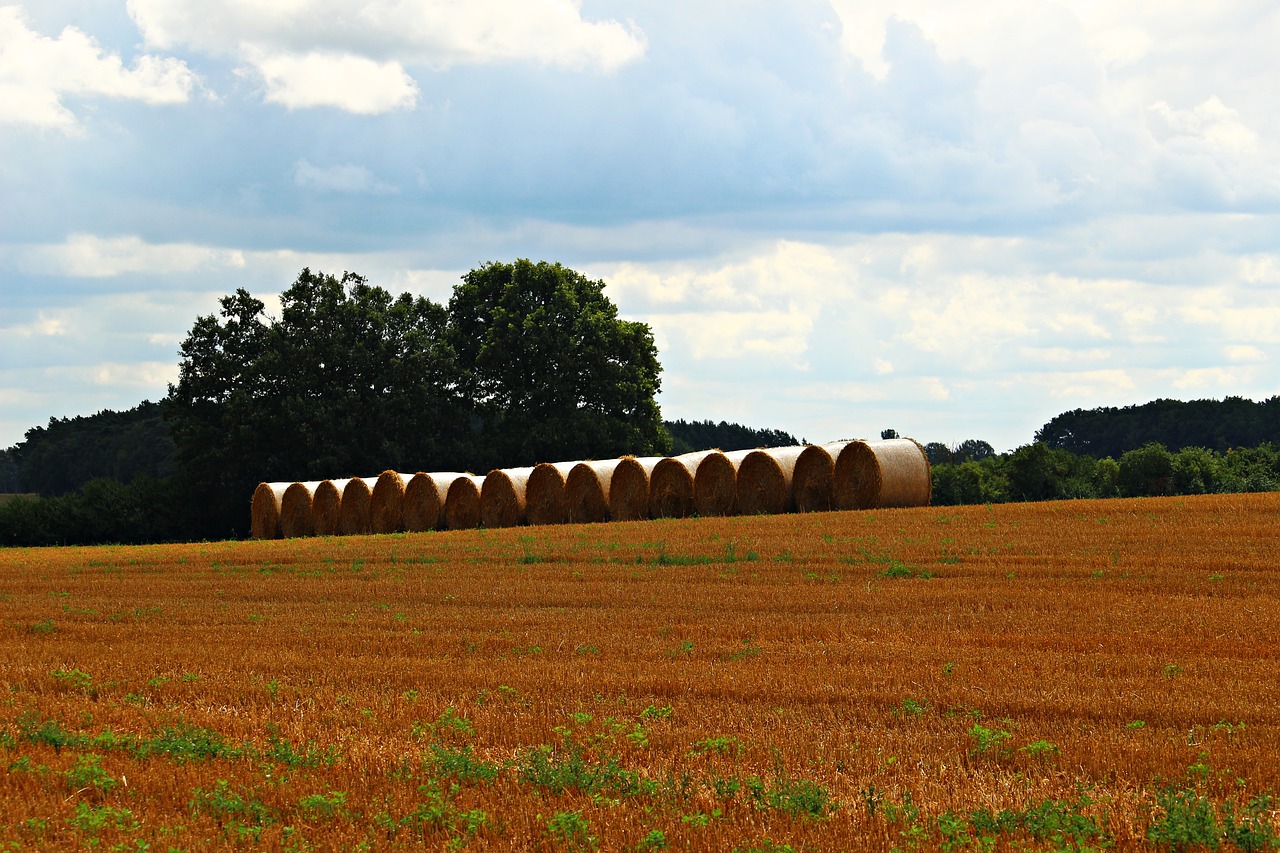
554	373
528	363
348	381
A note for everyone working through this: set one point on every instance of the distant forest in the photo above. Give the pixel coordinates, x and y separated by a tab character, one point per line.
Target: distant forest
123	446
114	476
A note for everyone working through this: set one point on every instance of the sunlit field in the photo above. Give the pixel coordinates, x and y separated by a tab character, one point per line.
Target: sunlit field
1072	675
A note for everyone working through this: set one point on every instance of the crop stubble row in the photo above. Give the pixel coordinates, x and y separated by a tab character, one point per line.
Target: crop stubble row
798	641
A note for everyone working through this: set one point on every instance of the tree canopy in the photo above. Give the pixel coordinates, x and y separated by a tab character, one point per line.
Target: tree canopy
552	372
527	363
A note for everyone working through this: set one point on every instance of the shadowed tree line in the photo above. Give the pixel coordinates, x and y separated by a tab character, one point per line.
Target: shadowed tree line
526	363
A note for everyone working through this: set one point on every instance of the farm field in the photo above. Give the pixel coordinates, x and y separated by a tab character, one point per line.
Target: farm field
1074	675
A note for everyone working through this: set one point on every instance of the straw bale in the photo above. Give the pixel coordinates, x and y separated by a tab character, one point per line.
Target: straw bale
715	485
629	488
502	497
326	506
386	507
813	478
671	485
462	502
544	493
424	499
586	491
882	474
765	480
264	510
296	518
355	514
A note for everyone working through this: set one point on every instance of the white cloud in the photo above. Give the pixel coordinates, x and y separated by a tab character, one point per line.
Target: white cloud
344	178
150	375
37	72
352	83
44	326
353	56
1247	354
91	256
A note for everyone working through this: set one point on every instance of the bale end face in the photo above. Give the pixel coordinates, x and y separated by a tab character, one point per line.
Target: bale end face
264	510
462	503
386	504
764	481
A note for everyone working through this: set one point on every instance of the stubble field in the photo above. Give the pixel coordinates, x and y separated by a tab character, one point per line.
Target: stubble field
1053	676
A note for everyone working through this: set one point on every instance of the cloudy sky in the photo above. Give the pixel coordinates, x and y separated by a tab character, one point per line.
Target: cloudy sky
952	218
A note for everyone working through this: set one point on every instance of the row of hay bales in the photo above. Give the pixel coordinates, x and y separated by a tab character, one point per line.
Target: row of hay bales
841	475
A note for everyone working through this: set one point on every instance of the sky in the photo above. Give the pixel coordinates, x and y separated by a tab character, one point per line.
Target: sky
949	218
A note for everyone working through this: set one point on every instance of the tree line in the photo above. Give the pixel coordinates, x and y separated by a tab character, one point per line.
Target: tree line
526	362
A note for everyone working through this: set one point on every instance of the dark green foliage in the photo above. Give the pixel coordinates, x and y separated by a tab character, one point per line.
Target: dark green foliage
348	381
69	452
550	369
1213	424
102	511
1147	471
688	436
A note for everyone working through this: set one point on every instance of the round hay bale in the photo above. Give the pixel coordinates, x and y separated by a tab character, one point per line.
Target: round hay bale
544	496
765	479
386	506
882	474
296	517
671	485
586	491
715	485
629	488
355	514
326	506
424	499
502	497
814	476
264	510
462	502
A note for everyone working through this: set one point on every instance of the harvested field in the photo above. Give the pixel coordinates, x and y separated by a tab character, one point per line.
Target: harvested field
1042	676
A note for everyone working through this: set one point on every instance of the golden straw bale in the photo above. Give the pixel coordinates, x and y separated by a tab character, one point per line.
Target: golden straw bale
715	485
462	502
424	498
813	478
629	488
264	510
386	506
295	510
502	497
586	491
544	493
765	479
882	474
326	506
671	485
355	515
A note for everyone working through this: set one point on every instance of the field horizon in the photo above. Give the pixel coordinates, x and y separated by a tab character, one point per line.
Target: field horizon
1070	675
